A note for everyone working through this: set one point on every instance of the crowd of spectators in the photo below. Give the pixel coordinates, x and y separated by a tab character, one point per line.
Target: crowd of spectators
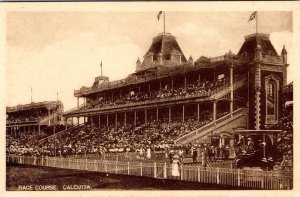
157	136
197	88
26	116
24	143
91	140
285	140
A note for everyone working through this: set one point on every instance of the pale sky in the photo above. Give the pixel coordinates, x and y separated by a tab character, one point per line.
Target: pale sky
61	51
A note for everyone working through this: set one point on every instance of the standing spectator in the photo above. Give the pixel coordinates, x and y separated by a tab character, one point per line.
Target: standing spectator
175	166
194	156
180	154
148	153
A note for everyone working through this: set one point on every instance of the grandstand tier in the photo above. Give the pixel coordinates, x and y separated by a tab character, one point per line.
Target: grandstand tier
34	120
243	90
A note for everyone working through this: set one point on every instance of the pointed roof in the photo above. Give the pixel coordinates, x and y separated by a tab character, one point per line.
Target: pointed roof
165	44
203	59
100	80
253	40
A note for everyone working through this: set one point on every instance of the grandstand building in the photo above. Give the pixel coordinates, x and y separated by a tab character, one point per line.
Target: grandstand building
214	96
34	117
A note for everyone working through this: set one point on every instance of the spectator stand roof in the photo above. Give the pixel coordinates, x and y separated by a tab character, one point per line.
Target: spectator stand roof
44	104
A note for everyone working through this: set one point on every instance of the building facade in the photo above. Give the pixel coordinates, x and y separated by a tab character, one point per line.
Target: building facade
216	95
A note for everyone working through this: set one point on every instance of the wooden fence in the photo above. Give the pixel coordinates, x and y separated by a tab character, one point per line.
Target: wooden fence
253	179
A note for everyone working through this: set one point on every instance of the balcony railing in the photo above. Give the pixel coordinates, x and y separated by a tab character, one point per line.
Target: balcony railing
237	80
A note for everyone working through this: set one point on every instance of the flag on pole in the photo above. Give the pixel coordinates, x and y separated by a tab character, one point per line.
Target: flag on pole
253	15
101	68
158	15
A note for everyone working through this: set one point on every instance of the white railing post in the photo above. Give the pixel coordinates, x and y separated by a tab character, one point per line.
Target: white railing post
117	167
141	165
42	161
262	181
181	174
218	176
69	159
239	177
128	169
154	170
165	170
198	172
86	164
96	163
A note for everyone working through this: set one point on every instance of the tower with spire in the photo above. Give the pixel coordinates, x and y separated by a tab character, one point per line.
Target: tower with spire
267	76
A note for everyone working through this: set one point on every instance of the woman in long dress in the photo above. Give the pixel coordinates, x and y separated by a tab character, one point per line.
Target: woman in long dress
175	166
148	153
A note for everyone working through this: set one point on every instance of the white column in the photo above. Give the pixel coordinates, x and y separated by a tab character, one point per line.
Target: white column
214	110
125	118
198	112
170	114
49	117
134	118
183	113
99	120
107	120
231	89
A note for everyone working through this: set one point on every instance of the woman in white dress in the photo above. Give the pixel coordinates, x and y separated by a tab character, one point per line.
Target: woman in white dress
148	153
175	166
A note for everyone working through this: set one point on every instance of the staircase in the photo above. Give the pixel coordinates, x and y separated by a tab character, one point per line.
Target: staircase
81	106
224	90
228	122
45	121
61	132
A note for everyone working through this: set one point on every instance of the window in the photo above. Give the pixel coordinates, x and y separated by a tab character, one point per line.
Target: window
271	100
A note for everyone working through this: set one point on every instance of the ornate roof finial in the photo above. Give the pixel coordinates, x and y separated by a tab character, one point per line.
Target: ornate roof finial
283	52
191	59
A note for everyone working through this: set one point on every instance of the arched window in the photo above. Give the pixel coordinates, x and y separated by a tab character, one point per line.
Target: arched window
272	86
271	100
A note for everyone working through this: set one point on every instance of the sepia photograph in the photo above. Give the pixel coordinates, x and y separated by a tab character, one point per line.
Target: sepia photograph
158	99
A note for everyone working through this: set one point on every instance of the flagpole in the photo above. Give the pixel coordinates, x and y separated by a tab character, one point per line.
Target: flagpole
164	24
101	68
31	94
256	21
